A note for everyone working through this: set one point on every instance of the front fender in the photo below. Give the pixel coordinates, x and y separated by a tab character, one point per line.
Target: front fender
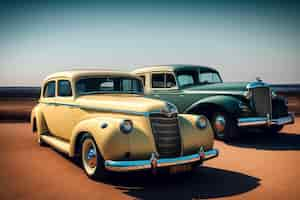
192	137
229	104
111	142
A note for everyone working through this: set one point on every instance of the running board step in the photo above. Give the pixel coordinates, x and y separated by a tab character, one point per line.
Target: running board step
57	143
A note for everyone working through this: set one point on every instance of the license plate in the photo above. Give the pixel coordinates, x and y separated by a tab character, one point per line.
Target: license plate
180	168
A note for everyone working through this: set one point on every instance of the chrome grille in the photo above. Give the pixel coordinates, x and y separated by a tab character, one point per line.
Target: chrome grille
166	135
262	100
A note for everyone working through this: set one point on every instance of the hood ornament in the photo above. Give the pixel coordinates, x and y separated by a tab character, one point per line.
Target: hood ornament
258	79
257	83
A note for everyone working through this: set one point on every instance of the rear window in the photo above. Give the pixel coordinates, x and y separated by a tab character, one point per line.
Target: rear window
49	90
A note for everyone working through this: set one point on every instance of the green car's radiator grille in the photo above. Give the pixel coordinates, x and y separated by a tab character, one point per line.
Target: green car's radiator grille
262	100
166	134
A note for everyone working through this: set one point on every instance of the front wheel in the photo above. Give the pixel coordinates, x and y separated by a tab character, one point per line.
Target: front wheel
92	161
224	126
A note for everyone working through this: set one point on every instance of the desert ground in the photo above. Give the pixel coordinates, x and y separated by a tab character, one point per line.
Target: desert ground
255	167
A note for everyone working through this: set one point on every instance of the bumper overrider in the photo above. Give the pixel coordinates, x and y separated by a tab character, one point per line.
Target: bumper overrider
266	121
154	162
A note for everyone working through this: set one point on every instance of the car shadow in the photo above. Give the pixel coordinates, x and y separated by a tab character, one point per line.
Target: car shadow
263	141
204	182
201	183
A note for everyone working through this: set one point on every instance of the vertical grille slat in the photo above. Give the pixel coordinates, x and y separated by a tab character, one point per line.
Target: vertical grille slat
262	100
166	135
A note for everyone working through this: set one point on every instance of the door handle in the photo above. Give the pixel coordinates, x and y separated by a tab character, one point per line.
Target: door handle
181	95
156	95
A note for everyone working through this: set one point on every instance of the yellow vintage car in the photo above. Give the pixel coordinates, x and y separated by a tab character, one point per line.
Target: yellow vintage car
104	119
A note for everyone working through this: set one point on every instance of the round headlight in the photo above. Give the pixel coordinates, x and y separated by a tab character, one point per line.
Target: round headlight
201	122
126	126
171	108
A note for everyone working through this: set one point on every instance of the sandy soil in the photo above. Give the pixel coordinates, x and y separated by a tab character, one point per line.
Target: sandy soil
255	167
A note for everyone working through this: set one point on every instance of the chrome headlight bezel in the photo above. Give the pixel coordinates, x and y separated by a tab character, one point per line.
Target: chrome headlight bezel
126	126
201	122
169	108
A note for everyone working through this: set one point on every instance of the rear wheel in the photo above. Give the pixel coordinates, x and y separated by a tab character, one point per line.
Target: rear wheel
225	128
92	161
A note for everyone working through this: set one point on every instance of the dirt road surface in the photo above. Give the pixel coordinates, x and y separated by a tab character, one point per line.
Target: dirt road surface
255	167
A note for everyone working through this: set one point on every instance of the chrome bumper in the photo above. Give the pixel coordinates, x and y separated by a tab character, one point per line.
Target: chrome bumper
154	162
261	121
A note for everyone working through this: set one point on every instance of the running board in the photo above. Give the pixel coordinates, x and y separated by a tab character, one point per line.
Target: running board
57	143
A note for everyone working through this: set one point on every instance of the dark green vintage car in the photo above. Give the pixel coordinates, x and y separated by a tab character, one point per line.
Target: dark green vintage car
228	106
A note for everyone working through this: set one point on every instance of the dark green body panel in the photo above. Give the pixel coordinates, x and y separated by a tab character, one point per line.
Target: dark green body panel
187	99
230	97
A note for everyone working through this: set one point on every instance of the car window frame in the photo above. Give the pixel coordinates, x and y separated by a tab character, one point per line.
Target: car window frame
71	89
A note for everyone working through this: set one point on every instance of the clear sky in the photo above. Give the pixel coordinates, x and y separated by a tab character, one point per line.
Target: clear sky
240	39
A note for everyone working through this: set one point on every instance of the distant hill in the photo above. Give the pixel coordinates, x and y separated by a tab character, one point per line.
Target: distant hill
20	92
287	88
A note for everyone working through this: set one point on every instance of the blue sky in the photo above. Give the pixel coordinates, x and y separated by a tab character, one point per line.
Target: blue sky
241	39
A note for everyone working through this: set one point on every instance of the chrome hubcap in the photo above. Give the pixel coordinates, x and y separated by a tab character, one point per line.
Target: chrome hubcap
91	157
219	125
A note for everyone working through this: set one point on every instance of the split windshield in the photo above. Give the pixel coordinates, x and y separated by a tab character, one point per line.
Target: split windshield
124	85
195	77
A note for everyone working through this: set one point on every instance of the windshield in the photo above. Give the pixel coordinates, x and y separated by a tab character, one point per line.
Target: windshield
109	85
195	77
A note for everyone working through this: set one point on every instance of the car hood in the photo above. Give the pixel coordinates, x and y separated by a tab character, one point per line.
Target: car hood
120	102
230	86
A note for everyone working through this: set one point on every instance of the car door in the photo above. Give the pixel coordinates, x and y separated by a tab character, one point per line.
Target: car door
48	103
67	111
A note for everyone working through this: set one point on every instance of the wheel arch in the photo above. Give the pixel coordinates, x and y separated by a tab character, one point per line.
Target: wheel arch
37	121
228	104
101	135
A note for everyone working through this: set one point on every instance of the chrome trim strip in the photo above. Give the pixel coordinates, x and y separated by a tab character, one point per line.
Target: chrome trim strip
212	92
124	166
257	121
129	112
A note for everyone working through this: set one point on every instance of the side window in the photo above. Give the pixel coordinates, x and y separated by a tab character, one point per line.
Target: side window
170	81
158	80
185	79
64	88
49	89
165	80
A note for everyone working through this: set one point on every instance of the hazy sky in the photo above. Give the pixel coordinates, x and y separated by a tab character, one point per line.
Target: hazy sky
241	39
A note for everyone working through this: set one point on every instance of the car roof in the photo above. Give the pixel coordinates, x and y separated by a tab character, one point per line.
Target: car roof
75	74
171	67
